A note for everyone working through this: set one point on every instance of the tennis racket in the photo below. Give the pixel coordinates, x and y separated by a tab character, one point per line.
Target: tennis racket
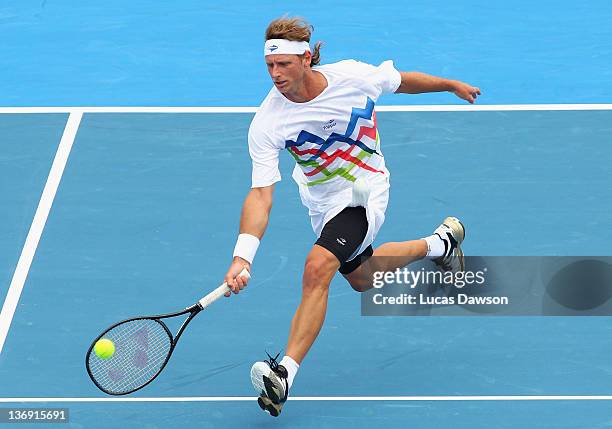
143	346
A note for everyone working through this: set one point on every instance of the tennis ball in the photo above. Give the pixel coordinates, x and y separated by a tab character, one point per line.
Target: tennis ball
104	348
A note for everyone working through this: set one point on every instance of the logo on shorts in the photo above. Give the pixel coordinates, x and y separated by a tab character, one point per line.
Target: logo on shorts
329	124
341	241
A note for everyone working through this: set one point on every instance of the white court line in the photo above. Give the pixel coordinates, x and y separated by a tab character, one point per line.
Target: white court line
38	224
318	398
405	108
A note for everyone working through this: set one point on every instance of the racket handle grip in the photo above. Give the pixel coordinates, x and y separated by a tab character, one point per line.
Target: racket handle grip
220	291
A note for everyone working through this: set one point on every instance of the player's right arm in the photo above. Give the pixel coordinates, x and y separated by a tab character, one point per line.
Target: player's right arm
253	222
264	148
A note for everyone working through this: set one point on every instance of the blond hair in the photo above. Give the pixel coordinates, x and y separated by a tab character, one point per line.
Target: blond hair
296	29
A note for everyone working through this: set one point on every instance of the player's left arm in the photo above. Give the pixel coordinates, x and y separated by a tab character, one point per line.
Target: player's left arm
418	83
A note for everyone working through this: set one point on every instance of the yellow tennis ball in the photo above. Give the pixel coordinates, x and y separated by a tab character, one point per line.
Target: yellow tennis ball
104	348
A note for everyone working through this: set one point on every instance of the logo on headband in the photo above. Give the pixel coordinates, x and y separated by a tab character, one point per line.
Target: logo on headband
273	48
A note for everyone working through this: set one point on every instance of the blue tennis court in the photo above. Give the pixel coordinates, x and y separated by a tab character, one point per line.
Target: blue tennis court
146	212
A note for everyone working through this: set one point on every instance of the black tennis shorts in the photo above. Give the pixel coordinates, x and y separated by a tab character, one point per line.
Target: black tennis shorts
343	234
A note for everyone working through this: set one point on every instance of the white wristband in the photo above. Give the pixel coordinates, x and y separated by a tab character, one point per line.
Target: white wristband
246	247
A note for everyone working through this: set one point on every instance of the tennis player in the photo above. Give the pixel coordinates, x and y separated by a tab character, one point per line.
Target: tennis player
323	115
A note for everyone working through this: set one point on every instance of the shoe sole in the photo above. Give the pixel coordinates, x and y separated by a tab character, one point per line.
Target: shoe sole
461	258
459	234
457	227
266	404
271	401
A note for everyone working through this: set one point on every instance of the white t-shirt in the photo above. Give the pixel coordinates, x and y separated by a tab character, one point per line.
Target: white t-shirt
333	137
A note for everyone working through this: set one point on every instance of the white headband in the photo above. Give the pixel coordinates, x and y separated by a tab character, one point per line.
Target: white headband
282	46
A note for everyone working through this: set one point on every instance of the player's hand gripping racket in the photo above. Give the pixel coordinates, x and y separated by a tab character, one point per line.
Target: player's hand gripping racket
142	348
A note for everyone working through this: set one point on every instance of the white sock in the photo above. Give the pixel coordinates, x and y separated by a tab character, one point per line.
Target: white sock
292	368
435	246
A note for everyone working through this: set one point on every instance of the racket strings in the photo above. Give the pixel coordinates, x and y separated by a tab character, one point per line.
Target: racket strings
141	348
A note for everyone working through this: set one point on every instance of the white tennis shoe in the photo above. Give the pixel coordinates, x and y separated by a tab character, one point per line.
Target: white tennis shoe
270	382
452	233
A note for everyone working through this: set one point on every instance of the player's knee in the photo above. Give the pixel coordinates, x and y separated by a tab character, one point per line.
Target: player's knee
316	274
313	273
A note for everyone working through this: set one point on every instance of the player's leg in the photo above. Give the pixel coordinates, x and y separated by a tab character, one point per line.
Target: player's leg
273	379
443	246
319	269
340	238
389	256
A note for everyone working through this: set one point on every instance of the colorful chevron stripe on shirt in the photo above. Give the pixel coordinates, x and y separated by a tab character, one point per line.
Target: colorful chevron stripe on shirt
319	159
